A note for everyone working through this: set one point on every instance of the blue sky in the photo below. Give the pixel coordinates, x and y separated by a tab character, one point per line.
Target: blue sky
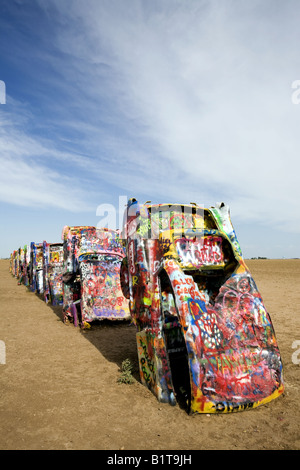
162	100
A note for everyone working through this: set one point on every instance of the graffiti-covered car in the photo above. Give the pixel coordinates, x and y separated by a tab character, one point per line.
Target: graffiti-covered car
204	337
15	263
36	278
26	265
71	278
93	258
19	264
12	263
53	258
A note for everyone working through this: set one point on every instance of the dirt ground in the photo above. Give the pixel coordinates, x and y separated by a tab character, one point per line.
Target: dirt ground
59	385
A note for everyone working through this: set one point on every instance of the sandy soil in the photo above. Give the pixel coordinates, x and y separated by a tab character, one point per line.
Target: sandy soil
59	385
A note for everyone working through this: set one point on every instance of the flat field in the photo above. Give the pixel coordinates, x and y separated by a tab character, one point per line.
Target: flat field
59	385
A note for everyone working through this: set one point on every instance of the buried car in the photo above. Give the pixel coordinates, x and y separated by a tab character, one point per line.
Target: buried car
36	278
19	264
26	265
52	272
92	288
15	263
204	337
71	279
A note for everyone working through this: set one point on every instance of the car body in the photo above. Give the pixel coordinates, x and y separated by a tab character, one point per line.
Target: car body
92	291
71	278
14	263
36	279
205	339
53	258
26	265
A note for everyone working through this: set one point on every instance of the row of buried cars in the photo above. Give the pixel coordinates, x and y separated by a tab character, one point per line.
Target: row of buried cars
81	274
205	340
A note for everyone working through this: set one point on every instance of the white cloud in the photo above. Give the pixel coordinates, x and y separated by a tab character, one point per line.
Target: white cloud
182	100
29	176
210	88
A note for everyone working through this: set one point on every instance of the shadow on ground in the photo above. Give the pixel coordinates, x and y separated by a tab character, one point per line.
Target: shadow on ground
115	340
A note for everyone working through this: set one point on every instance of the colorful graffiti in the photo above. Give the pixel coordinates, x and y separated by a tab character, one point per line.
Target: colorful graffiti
14	263
26	265
36	279
71	279
92	291
52	272
205	339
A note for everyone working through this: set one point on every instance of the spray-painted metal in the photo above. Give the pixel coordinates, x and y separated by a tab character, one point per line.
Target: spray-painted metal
92	291
52	272
14	263
26	265
36	279
19	264
205	339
